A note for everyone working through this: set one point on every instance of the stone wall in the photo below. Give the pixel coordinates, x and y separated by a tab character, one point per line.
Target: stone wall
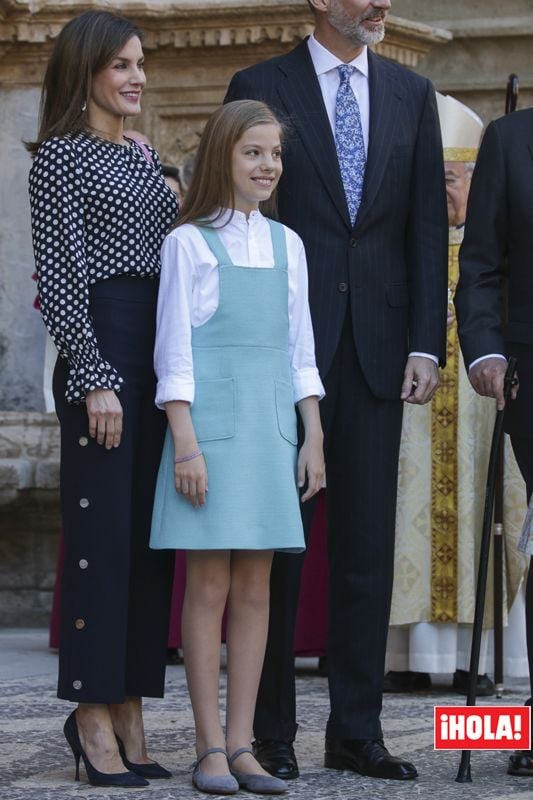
21	329
491	39
29	516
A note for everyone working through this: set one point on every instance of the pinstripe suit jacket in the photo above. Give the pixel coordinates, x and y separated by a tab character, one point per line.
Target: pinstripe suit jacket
392	266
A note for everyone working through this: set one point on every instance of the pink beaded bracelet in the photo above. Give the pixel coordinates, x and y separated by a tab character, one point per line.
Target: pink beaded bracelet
190	457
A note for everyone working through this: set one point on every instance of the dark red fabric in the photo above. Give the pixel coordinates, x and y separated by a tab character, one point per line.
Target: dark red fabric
312	619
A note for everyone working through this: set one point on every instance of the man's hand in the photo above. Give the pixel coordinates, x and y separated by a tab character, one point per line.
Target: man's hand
487	379
420	380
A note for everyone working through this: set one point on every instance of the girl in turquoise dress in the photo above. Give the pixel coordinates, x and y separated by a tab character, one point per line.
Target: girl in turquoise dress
234	355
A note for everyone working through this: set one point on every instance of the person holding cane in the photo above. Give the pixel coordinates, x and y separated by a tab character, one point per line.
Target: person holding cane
496	252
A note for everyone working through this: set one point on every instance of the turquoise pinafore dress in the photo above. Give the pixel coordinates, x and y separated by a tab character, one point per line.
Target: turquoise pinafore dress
244	417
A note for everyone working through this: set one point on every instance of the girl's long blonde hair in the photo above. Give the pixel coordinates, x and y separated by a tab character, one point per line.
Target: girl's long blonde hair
211	189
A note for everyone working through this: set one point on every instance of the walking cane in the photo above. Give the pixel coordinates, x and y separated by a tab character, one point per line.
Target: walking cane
463	775
511	100
498	571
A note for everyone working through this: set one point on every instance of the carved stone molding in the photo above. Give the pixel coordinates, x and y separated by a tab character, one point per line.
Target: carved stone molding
208	24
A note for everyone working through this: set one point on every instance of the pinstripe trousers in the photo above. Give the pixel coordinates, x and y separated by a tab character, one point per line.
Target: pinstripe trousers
361	443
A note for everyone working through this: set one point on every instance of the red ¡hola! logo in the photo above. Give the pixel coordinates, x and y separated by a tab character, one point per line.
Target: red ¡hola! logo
482	727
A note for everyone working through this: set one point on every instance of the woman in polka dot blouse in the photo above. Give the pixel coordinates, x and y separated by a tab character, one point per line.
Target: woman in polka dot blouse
100	209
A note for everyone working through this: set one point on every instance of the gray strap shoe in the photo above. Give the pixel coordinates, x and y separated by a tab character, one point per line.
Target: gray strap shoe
213	784
254	782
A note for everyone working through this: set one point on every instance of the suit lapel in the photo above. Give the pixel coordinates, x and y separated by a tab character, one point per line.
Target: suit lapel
301	97
385	97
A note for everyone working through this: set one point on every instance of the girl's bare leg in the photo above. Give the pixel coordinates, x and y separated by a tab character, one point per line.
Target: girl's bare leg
206	591
246	641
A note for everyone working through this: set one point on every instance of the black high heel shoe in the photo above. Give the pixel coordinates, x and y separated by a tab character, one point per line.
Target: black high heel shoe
95	777
153	770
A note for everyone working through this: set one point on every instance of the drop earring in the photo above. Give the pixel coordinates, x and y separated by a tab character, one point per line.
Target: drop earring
84	107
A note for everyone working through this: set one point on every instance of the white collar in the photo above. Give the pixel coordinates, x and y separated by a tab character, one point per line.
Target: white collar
238	218
324	60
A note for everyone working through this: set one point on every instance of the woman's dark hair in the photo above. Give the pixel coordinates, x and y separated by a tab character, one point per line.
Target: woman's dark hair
85	46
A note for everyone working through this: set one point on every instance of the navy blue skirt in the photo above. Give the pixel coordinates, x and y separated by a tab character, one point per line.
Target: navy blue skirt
115	598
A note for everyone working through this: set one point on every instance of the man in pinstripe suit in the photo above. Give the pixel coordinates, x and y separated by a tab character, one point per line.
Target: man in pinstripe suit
378	295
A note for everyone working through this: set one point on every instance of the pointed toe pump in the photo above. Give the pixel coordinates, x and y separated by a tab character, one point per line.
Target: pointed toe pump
152	770
96	778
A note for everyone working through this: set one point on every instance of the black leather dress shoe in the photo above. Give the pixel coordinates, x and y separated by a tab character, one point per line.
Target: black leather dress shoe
368	757
277	758
521	763
484	685
406	681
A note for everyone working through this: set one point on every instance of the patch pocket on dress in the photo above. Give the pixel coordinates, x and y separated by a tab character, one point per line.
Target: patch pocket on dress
286	411
213	410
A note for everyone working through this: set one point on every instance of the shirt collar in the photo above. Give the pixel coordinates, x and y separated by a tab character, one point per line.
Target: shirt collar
324	61
238	218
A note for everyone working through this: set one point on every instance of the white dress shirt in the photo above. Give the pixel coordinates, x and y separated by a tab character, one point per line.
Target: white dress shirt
325	64
483	358
189	296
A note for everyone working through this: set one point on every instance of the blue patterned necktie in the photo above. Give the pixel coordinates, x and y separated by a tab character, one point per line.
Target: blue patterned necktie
349	141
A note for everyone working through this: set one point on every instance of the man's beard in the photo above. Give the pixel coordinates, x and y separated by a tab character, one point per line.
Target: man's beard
352	28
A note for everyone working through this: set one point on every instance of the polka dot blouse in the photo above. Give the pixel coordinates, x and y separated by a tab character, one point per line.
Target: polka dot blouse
98	210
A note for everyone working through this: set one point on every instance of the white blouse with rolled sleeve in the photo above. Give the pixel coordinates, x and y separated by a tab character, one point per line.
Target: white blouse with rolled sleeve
189	296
